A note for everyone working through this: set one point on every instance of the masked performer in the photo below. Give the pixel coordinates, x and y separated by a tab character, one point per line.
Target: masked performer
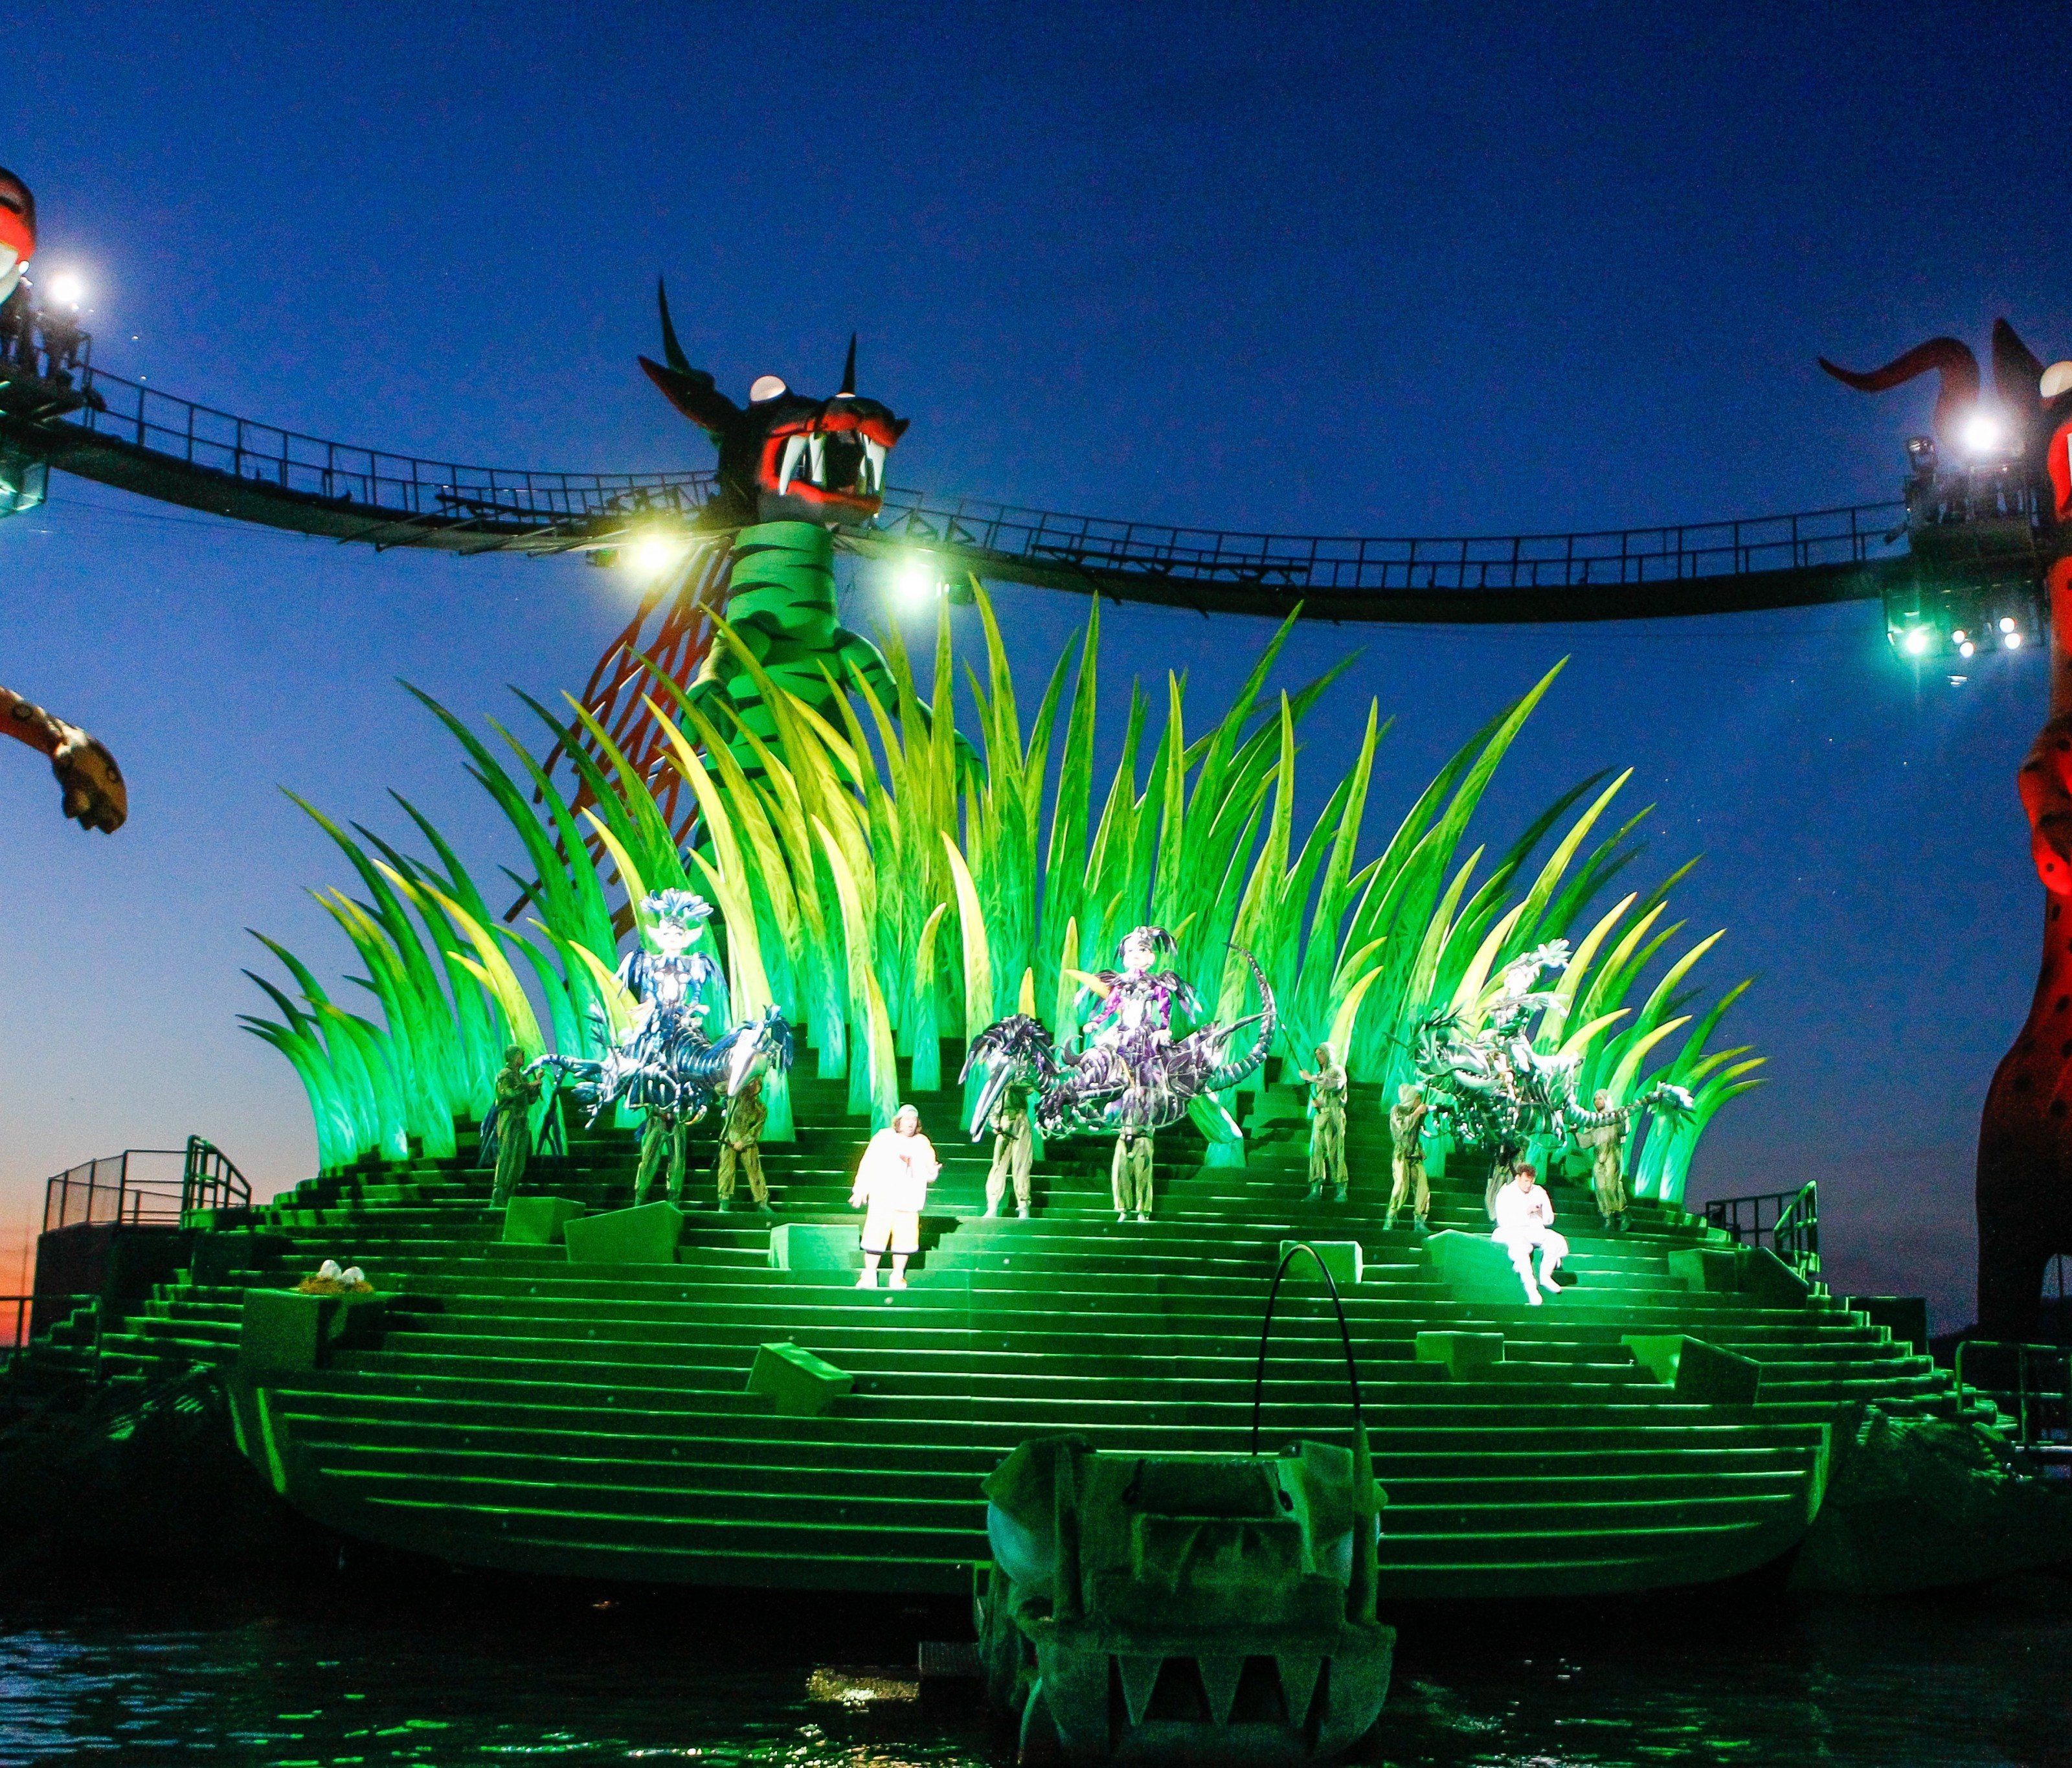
1129	1173
1606	1140
741	1146
1406	1131
517	1092
1134	1077
891	1186
1014	1150
665	982
1524	1221
1327	1126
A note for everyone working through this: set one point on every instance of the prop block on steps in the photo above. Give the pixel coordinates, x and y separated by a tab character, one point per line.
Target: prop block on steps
1465	1354
282	1332
1706	1270
1473	1267
1904	1317
646	1234
1701	1373
815	1246
798	1384
1768	1279
539	1221
1342	1258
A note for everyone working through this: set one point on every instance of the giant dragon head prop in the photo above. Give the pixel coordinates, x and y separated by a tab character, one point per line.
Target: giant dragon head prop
17	230
2034	404
785	457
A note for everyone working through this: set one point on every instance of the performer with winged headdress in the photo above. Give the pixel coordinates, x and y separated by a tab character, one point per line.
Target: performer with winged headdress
1134	1078
662	1065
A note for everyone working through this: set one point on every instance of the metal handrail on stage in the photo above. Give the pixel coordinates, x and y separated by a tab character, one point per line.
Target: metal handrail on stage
15	1334
2042	1411
1793	1231
142	1187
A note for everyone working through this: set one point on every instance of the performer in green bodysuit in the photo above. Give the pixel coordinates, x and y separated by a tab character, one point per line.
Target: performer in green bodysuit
1327	1126
1014	1150
1129	1172
516	1094
1406	1130
1606	1142
741	1147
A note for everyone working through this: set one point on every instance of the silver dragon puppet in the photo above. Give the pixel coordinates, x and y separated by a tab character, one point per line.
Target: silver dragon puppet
1134	1076
664	1064
1490	1090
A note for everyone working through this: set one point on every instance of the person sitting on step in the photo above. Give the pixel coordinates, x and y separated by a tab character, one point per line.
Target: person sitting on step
1013	1149
1406	1131
1524	1220
1327	1126
898	1167
741	1146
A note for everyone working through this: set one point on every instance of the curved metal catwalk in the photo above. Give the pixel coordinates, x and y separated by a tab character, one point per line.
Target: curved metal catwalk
120	433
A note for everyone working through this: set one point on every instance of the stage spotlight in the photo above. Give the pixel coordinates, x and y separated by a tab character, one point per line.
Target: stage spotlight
1983	433
1916	641
1957	636
2007	625
66	290
652	554
1967	649
916	579
2013	641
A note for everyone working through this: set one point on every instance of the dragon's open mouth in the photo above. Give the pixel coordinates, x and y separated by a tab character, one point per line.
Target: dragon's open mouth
835	460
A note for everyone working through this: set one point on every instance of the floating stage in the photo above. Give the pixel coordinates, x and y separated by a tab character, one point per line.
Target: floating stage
503	1405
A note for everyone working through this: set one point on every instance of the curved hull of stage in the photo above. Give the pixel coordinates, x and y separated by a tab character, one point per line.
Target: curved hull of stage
517	1409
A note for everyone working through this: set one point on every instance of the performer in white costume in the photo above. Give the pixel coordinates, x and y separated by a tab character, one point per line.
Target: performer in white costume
1525	1219
898	1169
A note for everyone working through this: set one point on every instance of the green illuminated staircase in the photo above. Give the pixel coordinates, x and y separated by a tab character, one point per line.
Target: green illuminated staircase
522	1411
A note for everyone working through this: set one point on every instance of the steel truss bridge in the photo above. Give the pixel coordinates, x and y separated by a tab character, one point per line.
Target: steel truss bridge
120	433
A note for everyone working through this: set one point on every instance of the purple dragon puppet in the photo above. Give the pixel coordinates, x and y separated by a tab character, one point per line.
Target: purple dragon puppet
1134	1076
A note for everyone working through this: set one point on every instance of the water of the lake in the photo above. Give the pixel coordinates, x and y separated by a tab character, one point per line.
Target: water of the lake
490	1671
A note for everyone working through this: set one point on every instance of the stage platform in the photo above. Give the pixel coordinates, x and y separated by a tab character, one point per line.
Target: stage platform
509	1407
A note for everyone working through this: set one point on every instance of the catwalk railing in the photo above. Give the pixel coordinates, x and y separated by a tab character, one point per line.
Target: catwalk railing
1788	1223
158	1187
1853	534
401	485
519	507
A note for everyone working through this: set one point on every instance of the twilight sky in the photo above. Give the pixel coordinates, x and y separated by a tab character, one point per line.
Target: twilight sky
1359	269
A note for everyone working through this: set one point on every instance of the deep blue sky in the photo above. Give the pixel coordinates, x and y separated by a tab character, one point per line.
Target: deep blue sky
1360	269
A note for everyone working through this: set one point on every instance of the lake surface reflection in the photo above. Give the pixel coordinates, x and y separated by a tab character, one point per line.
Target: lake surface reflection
489	1670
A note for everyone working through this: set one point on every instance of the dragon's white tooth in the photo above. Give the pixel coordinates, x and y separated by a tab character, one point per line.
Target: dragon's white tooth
794	446
818	444
873	454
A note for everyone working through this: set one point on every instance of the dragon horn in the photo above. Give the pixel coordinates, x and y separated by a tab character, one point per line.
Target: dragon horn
1228	1074
849	370
672	350
2016	372
1952	360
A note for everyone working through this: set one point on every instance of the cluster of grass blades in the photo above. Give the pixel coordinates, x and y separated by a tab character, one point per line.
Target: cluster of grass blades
885	881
